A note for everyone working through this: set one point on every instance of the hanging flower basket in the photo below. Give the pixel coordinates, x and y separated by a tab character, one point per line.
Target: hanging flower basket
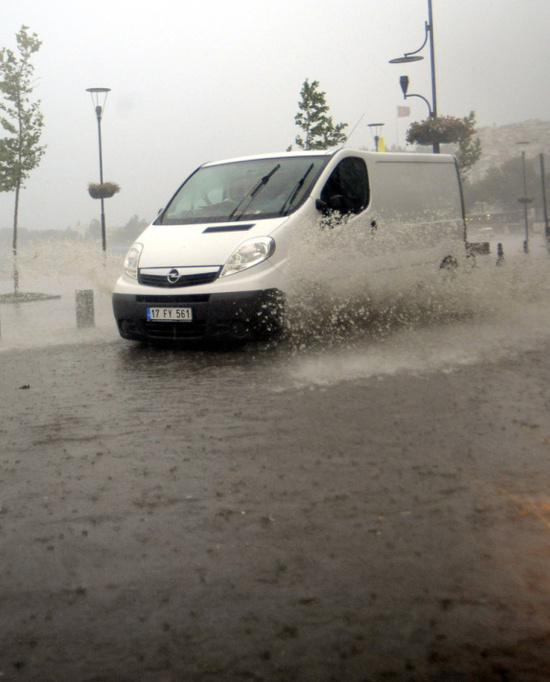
104	190
431	137
425	140
442	129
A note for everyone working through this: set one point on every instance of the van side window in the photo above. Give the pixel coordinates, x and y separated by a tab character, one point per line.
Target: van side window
347	189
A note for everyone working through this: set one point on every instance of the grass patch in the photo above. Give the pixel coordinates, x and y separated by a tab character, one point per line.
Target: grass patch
28	297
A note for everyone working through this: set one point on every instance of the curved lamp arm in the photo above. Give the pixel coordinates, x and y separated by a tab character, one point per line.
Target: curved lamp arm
425	100
426	29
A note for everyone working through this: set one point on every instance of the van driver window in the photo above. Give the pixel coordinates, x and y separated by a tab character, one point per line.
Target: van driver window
347	189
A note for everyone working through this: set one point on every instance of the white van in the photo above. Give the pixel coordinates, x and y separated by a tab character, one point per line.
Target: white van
216	261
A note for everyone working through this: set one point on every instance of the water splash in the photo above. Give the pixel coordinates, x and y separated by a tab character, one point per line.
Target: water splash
345	322
382	322
58	267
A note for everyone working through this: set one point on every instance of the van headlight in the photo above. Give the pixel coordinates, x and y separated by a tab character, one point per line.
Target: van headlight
132	259
249	253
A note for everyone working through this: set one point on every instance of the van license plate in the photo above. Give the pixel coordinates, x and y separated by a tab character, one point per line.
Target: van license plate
170	314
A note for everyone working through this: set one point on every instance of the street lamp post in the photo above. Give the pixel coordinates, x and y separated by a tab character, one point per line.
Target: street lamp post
544	202
525	200
376	129
409	57
99	97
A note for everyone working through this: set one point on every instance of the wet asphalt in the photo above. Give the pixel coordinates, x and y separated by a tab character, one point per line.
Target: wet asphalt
350	506
199	515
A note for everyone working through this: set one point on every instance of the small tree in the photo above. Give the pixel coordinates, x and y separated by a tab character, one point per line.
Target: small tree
132	229
319	128
22	120
502	185
469	147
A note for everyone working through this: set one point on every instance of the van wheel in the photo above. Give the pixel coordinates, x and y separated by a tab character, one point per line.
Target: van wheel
449	263
269	323
230	343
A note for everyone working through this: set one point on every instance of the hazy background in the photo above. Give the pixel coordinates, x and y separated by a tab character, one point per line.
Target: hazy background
193	82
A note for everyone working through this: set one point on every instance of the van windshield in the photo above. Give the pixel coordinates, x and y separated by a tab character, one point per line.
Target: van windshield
244	190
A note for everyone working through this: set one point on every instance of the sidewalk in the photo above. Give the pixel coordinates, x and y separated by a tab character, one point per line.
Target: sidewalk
54	321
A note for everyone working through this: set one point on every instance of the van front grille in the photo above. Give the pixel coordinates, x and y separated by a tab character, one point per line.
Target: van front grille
178	331
172	299
183	281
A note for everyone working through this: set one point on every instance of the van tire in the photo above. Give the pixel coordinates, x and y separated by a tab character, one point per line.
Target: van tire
449	263
269	323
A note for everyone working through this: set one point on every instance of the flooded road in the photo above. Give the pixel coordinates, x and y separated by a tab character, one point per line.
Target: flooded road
366	500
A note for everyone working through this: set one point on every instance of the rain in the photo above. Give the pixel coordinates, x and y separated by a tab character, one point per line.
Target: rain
362	498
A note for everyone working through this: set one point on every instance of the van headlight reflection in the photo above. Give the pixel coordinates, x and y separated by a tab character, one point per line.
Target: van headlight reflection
249	253
132	259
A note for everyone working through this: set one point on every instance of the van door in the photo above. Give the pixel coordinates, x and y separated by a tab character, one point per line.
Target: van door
341	254
347	189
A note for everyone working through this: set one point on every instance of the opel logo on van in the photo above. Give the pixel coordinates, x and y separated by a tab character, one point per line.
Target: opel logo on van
173	276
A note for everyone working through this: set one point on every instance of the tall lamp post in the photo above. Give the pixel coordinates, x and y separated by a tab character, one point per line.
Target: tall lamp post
525	200
409	57
376	129
544	202
99	97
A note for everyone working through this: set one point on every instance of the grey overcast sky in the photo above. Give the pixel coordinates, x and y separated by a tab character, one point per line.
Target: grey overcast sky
197	81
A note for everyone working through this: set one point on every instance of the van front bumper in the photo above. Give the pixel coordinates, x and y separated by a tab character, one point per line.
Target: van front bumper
253	315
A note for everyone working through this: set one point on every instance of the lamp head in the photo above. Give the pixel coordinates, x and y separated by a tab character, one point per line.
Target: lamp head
406	59
99	97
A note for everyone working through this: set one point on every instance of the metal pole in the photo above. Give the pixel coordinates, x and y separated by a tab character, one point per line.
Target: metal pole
526	242
544	204
432	58
430	28
98	112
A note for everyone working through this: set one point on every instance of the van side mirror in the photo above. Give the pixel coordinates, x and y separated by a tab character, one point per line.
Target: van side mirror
337	202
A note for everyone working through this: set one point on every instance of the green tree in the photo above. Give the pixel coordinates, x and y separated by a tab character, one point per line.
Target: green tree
502	185
133	228
22	120
320	131
93	230
469	147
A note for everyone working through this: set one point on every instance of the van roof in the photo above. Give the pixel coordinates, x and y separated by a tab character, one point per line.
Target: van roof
342	151
273	155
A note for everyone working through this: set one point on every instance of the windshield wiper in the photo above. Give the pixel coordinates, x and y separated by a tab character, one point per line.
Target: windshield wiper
290	200
253	193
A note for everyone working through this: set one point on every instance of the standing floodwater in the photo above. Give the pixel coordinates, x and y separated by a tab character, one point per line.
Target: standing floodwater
366	499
